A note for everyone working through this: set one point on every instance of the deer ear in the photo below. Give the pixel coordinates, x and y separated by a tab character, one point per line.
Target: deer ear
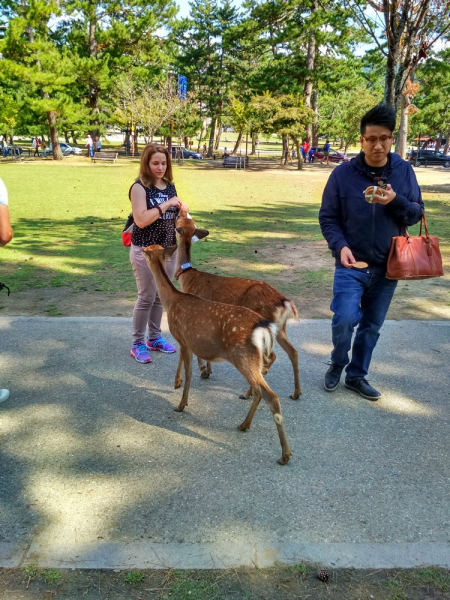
179	230
201	233
169	251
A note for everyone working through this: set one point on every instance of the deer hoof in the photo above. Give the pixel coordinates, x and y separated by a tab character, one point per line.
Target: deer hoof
177	384
178	409
244	397
284	458
295	395
205	374
243	427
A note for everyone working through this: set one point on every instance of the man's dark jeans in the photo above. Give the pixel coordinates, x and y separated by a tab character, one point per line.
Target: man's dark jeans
359	299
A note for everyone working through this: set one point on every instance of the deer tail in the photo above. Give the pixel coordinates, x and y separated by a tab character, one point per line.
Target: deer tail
264	335
285	310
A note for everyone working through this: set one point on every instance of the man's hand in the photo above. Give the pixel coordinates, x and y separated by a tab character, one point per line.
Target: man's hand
388	196
347	258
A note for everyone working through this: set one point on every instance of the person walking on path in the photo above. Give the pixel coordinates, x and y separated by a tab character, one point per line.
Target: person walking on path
44	148
155	207
90	146
326	152
6	235
36	144
357	230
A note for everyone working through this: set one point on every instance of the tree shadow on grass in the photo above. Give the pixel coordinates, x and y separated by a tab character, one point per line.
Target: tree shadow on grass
87	252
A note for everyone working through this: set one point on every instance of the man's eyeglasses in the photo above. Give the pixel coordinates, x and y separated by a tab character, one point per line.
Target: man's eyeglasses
383	139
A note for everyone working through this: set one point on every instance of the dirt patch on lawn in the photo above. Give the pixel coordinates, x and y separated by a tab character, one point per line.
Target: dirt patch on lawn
304	273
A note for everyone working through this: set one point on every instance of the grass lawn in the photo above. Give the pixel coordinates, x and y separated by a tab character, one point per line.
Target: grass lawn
68	216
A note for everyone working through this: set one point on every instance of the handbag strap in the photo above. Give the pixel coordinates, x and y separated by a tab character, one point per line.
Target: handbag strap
423	222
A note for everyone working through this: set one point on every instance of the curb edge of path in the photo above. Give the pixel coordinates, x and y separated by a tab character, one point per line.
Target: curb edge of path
145	555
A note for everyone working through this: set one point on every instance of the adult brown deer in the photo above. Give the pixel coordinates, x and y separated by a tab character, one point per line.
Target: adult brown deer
218	332
256	295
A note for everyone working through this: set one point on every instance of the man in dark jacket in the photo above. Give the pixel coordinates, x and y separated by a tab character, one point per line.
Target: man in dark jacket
359	231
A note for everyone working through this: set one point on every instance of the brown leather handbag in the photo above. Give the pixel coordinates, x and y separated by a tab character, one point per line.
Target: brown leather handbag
415	257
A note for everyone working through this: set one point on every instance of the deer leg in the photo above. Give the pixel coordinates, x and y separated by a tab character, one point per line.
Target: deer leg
260	388
273	402
187	360
178	377
282	339
246	423
205	368
267	363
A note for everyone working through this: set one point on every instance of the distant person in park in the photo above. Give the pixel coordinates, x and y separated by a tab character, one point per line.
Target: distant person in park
204	149
305	149
359	231
6	235
155	207
90	146
36	144
4	146
326	152
44	148
310	153
99	145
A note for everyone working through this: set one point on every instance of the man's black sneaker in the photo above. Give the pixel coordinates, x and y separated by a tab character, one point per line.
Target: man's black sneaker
332	377
363	388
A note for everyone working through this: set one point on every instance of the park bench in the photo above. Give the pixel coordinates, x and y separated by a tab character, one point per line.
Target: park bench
236	162
112	156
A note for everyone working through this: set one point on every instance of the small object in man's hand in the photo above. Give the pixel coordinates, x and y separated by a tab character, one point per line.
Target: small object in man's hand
359	264
370	192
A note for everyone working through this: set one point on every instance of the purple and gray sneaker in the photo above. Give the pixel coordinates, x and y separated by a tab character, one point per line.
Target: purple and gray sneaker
160	345
140	353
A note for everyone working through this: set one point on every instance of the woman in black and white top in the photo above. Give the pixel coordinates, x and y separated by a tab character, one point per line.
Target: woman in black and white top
155	207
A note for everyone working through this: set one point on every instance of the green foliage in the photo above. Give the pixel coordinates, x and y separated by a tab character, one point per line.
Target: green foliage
134	577
52	575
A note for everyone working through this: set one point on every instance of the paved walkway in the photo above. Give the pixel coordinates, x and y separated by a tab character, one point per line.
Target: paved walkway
97	470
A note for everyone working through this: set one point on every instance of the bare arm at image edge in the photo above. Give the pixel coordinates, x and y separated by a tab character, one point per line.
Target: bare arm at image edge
6	233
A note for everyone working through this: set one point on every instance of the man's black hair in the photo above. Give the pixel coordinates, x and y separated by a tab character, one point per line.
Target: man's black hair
381	114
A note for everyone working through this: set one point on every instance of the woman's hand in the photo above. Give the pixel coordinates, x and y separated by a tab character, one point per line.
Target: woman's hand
174	202
184	207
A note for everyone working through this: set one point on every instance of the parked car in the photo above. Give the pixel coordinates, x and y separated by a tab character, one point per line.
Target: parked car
66	149
429	157
186	153
334	156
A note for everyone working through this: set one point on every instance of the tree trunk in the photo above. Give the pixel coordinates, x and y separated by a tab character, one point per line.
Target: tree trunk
73	137
238	143
93	86
342	143
299	156
310	61
254	140
439	140
400	145
447	142
66	136
56	150
285	151
200	137
315	127
211	138
217	142
389	81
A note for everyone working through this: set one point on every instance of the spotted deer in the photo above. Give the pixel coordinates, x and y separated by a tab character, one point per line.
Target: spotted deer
256	295
218	332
